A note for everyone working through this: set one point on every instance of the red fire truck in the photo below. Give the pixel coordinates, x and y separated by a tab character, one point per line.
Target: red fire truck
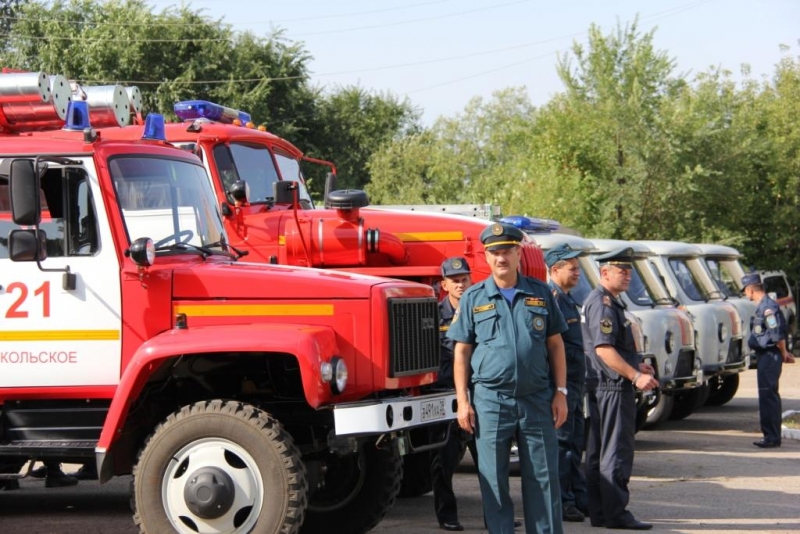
268	211
242	397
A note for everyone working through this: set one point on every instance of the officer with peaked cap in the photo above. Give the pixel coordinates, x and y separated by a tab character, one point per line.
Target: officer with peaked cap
456	279
768	340
564	273
609	344
507	329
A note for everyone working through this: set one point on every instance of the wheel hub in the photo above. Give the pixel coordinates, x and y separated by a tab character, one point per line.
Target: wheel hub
209	492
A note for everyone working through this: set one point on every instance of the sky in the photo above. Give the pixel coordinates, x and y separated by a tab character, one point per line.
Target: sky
440	54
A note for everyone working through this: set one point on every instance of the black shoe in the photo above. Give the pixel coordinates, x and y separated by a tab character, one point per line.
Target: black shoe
452	526
60	481
767	444
86	472
633	524
39	472
597	522
572	514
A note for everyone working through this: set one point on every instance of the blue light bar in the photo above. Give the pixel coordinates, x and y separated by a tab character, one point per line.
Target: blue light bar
190	110
154	127
77	115
531	224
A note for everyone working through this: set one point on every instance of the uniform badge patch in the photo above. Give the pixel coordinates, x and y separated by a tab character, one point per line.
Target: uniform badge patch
757	329
606	326
538	323
497	229
483	308
534	301
606	301
772	321
456	263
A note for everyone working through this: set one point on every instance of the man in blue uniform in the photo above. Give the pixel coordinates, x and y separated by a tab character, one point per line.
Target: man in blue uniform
564	271
507	330
612	404
455	280
768	340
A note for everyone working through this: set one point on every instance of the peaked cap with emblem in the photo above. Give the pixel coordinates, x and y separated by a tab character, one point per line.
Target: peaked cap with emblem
751	279
622	258
560	252
499	235
455	266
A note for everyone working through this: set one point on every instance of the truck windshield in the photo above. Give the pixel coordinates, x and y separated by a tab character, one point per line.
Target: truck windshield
724	275
255	165
170	201
686	279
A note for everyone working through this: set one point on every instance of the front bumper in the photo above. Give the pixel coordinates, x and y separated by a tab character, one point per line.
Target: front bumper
395	414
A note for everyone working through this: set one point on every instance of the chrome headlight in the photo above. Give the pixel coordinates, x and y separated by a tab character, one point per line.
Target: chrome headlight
339	379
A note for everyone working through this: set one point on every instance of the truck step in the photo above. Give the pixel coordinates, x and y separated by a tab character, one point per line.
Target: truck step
61	449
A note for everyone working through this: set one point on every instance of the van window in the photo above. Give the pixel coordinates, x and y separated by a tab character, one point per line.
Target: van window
686	279
777	285
722	278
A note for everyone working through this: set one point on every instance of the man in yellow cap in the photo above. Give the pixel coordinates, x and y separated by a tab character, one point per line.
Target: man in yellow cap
508	331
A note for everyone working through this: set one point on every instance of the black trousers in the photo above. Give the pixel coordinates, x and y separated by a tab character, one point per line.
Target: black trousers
609	454
571	441
443	464
770	365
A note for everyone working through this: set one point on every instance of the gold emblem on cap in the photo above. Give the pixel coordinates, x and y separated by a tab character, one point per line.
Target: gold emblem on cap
456	264
497	229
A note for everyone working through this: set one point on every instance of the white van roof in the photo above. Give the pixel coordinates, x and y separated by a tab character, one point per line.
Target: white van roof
672	248
548	241
718	250
608	245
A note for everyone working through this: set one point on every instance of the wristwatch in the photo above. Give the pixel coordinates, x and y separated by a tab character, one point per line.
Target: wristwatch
565	391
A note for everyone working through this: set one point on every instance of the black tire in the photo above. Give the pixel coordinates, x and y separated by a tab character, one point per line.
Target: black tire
228	444
660	412
359	489
417	480
686	403
722	389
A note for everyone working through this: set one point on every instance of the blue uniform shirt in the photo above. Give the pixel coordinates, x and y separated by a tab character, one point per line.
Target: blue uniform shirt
446	312
573	337
510	353
605	324
767	326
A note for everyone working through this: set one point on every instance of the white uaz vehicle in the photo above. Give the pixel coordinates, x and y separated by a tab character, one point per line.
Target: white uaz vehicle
668	329
723	264
717	324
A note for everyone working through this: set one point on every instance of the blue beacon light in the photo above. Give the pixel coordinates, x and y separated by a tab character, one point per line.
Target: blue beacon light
154	127
77	115
202	109
531	224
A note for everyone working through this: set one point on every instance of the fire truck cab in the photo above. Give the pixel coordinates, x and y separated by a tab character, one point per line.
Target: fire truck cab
242	397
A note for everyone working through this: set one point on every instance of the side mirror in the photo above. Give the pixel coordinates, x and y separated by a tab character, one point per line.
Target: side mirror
330	185
27	245
239	191
23	193
283	191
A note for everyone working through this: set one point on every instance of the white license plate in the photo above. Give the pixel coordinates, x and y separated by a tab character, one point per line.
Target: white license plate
432	410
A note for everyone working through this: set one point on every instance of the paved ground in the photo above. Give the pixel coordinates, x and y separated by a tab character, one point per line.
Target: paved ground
700	475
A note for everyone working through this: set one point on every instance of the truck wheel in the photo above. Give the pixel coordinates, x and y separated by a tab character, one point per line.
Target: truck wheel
417	480
660	412
722	389
358	491
219	466
686	403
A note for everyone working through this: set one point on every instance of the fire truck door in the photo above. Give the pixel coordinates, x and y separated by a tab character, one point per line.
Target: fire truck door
51	336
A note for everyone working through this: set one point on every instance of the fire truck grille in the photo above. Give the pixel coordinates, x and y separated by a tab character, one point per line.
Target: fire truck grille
413	336
685	365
